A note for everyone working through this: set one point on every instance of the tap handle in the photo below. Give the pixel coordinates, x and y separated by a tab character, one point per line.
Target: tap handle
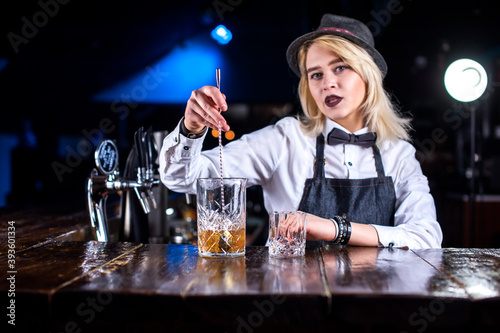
140	148
149	153
144	146
106	157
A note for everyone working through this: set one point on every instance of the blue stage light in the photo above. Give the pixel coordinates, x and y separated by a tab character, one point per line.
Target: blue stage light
221	34
187	67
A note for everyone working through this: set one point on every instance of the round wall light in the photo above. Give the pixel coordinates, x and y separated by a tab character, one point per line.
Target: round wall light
465	80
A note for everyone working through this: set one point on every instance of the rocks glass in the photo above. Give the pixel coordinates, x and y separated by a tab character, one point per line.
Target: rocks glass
287	234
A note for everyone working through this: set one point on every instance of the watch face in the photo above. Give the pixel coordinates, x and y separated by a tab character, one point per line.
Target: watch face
106	157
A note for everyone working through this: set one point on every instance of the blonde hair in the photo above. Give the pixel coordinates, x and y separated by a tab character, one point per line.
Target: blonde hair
380	114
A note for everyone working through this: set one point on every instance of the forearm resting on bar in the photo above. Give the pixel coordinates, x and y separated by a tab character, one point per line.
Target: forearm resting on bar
324	229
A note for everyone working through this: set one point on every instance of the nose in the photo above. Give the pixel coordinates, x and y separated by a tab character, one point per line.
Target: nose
330	81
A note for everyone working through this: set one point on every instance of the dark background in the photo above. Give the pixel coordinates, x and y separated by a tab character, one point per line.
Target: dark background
55	57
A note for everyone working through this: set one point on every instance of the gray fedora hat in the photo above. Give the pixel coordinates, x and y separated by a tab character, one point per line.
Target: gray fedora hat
346	27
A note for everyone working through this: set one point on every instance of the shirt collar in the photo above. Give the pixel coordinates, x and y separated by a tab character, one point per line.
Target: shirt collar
330	125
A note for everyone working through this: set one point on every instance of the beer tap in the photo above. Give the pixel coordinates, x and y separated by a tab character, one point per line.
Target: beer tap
105	179
145	173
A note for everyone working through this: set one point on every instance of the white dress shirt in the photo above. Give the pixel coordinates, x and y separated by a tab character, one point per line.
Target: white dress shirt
280	158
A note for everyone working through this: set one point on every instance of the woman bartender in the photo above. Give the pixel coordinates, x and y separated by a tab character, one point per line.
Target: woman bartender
367	188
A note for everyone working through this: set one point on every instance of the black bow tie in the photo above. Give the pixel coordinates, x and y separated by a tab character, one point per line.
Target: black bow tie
337	136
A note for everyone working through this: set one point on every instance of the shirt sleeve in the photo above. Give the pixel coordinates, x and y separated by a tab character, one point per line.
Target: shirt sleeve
415	224
176	154
182	160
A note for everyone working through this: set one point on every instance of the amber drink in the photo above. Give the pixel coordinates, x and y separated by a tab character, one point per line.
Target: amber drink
221	230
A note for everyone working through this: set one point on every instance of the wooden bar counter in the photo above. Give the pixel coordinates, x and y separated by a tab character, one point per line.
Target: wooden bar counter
66	284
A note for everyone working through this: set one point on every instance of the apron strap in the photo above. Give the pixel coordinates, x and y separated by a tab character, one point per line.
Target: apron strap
319	162
378	161
319	168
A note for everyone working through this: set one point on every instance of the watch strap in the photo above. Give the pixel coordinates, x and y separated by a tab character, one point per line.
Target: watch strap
190	135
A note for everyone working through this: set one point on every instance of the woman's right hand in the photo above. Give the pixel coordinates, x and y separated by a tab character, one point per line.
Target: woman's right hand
202	110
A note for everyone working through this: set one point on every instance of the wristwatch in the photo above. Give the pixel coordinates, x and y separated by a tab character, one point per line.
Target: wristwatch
190	135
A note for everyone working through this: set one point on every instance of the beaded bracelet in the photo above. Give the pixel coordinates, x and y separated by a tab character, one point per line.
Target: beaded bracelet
344	230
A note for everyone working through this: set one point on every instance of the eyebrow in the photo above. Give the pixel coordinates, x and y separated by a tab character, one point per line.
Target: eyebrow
334	61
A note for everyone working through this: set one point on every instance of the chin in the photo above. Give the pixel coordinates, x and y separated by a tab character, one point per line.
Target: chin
335	116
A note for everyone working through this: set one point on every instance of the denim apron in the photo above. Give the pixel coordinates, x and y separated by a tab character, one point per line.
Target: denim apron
367	201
